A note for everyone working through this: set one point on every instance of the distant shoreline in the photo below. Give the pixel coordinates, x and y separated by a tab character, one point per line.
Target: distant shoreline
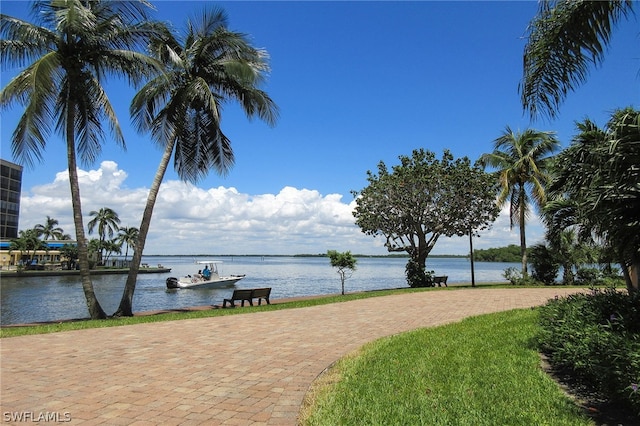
106	271
390	256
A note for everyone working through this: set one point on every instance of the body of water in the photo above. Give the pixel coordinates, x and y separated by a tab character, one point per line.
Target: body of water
37	299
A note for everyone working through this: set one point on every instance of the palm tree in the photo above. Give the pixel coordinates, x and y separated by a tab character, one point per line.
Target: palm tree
76	44
181	109
521	160
27	241
595	189
128	236
107	222
50	230
565	39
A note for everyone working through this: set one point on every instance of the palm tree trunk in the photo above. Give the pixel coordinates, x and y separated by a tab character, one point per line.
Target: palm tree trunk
126	303
95	310
523	240
631	273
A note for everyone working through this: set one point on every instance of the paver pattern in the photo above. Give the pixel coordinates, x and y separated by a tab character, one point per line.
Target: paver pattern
246	369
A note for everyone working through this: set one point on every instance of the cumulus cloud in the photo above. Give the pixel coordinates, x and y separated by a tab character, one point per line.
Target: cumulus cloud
191	220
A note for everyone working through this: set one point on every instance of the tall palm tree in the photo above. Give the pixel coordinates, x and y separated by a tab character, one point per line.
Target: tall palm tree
107	222
565	39
128	236
74	46
50	230
596	189
521	160
207	67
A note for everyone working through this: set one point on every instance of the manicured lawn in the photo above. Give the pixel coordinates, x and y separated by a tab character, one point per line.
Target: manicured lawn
482	371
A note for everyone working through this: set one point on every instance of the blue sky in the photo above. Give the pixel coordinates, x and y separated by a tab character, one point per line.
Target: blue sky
356	83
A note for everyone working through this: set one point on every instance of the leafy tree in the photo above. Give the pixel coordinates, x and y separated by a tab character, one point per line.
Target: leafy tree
345	263
27	242
521	160
565	39
205	68
50	230
70	252
128	236
69	52
107	222
424	198
597	188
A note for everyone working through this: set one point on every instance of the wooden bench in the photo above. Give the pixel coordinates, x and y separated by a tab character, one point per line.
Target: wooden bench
248	295
261	294
440	280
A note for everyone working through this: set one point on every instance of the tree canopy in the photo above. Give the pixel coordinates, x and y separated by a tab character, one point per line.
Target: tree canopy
205	67
597	188
424	198
521	160
68	55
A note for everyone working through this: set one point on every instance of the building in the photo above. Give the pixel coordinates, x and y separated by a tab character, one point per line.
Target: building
10	188
49	258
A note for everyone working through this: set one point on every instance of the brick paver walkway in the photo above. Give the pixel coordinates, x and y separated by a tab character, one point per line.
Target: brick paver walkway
231	370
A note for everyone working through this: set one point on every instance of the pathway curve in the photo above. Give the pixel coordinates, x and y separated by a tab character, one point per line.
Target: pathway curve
235	370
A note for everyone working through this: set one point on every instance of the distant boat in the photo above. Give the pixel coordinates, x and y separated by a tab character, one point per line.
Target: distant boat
209	277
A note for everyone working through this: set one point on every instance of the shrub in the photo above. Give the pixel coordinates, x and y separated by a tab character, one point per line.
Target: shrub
596	338
588	275
417	276
514	276
545	267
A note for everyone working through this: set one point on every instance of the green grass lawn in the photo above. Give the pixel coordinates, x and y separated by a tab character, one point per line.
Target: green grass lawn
482	371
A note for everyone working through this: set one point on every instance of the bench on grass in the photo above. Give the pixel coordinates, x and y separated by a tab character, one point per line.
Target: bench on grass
440	280
248	295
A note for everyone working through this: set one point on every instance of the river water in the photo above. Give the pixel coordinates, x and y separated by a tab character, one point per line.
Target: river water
26	300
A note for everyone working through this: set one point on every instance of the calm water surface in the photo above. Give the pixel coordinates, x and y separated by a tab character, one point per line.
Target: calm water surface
26	300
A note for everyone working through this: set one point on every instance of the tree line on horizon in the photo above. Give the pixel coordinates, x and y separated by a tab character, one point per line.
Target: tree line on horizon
184	78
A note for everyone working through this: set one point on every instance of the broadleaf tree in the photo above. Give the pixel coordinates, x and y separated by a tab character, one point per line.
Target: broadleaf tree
423	198
345	262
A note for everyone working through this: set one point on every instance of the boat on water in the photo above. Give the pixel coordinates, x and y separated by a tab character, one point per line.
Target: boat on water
208	276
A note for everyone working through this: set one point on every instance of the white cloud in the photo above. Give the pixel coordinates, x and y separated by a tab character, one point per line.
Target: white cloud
192	220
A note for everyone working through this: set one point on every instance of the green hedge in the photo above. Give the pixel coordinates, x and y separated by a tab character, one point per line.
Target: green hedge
596	337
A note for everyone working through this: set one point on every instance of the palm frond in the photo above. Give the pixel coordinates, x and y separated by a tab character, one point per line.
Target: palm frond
565	40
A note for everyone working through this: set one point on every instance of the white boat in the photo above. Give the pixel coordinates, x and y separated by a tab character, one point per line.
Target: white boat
208	276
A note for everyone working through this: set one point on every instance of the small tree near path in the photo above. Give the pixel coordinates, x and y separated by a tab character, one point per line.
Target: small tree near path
345	263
